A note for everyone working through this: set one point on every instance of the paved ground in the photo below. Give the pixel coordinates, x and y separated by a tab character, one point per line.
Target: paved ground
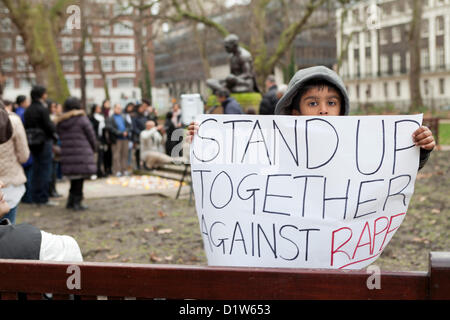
126	186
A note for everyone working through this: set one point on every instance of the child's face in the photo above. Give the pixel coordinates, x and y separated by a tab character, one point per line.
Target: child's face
319	101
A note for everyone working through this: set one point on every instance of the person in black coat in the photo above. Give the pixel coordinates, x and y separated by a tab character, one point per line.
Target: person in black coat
139	125
37	121
269	99
78	144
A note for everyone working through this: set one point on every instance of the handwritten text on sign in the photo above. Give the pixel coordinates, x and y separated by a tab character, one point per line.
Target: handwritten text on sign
311	192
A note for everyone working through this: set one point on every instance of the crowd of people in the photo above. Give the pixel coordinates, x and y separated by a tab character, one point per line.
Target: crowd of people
53	141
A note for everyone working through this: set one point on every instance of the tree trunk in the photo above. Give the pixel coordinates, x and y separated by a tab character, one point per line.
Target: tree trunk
2	84
81	53
38	25
414	49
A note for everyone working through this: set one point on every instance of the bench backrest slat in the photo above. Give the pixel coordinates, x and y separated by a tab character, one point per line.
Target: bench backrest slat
196	282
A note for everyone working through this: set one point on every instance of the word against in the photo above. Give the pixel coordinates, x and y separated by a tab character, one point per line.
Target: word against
312	192
74	280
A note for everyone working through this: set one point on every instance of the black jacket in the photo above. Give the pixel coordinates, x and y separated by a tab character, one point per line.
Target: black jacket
20	241
113	130
38	116
269	101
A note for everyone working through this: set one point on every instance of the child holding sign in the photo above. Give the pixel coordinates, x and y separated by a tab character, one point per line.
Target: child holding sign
319	91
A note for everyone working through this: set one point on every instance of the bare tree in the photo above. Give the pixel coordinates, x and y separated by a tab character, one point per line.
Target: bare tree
414	49
265	60
39	23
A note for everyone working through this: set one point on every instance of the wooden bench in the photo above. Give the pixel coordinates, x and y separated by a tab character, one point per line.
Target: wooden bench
433	125
28	280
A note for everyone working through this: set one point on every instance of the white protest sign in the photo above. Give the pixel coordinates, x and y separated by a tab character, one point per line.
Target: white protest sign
302	192
191	107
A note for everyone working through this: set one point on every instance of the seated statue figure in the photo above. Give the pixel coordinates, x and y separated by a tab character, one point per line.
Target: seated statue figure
241	77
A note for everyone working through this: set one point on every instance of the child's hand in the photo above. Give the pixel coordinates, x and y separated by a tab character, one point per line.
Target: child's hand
192	130
423	138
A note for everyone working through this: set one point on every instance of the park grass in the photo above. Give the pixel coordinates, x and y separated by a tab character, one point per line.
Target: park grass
444	133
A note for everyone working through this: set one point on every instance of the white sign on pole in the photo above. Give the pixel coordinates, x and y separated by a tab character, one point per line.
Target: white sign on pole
302	192
191	107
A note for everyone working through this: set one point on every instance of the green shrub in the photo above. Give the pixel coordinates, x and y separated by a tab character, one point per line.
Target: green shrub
246	100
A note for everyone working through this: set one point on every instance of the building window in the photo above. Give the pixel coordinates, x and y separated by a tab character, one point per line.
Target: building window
22	64
107	64
124	28
442	86
396	35
408	60
368	66
424	59
368	91
396	62
20	46
6	44
355	39
5	25
70	83
105	47
425	28
9	83
105	31
384	63
7	64
89	65
66	45
125	64
120	9
425	86
440	57
386	89
125	83
26	83
440	25
87	46
68	66
90	83
368	39
124	46
398	88
383	36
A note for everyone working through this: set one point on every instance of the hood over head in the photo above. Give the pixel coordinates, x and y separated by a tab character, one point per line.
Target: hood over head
284	105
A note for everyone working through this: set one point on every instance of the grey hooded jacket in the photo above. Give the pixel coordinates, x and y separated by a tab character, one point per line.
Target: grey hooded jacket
284	105
298	80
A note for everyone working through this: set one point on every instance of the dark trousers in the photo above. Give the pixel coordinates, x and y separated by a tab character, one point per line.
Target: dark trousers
107	160
100	163
76	187
29	174
42	168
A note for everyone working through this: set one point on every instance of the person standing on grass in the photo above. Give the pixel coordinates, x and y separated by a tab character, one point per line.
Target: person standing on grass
120	131
37	121
13	152
78	145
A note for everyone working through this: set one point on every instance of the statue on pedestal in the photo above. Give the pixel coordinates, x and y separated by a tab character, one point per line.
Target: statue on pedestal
241	77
